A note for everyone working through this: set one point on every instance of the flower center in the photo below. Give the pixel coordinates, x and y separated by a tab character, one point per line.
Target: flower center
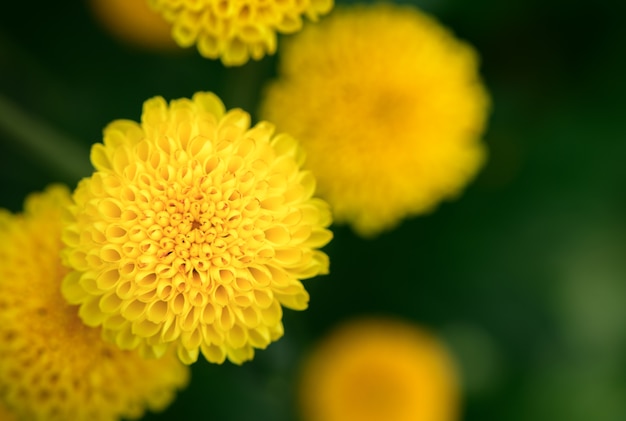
198	228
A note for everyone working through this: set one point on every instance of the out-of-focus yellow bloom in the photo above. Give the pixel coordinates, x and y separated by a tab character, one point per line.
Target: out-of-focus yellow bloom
5	414
379	370
389	108
236	31
193	231
134	22
52	366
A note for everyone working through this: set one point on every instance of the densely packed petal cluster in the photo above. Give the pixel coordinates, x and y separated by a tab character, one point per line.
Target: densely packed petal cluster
374	369
389	108
236	30
52	366
194	231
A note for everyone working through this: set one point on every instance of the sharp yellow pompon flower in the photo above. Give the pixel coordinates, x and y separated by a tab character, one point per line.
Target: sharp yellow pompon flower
193	231
236	30
52	366
379	370
389	108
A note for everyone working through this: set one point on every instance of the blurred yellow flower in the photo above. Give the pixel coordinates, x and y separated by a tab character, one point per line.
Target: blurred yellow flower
389	108
52	366
193	231
135	23
236	31
376	369
5	414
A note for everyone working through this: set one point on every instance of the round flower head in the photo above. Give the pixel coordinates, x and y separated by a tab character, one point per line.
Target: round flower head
52	366
389	109
193	231
379	369
135	23
236	30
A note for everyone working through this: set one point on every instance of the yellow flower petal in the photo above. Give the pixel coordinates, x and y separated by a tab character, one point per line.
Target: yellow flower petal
236	31
193	232
389	108
375	369
52	366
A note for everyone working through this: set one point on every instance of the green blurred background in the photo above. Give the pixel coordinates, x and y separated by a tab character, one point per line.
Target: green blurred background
524	276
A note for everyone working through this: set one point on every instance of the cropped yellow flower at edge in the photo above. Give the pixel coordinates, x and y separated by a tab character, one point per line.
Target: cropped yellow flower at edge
134	22
389	108
193	232
235	31
374	369
52	366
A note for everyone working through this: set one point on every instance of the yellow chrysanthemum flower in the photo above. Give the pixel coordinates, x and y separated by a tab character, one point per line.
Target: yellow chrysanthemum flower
193	231
135	23
379	370
236	30
389	108
52	366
